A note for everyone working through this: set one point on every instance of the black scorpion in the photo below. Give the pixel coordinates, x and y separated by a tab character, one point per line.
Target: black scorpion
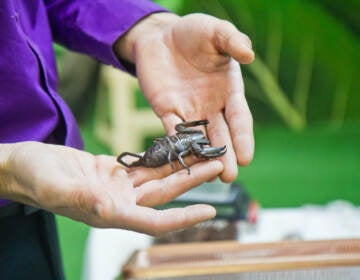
185	142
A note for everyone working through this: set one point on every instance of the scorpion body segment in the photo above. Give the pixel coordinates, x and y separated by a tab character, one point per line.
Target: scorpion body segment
169	148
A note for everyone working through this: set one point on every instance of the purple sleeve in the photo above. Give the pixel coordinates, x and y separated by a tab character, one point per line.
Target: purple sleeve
92	26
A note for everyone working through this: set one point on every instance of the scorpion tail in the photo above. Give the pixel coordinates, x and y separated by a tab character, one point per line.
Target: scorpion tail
133	164
185	126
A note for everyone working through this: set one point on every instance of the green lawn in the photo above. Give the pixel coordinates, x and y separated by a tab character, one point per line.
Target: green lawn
289	169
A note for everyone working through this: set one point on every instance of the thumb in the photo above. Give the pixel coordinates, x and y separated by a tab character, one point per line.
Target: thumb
230	41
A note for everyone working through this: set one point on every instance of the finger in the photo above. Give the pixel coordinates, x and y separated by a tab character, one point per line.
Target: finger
219	135
156	222
213	179
240	121
169	122
231	41
157	192
140	175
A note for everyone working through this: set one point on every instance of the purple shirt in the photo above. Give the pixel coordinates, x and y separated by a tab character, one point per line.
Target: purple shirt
30	107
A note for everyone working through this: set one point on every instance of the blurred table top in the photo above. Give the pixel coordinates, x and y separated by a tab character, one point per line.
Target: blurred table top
108	249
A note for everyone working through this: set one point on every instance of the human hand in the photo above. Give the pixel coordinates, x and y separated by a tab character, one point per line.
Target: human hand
188	70
98	191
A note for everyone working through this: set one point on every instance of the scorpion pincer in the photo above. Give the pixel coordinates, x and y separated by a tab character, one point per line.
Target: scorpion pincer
169	148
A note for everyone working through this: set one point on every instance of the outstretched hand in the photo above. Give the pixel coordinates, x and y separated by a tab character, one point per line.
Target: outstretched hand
98	191
188	68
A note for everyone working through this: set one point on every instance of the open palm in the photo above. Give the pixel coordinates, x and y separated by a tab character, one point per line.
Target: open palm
101	193
190	71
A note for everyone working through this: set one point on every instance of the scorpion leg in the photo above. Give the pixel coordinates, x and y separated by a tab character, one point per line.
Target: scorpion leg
184	127
203	141
119	158
210	152
171	163
180	155
213	152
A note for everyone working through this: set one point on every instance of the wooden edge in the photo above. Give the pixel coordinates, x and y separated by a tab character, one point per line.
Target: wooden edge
211	268
139	266
214	246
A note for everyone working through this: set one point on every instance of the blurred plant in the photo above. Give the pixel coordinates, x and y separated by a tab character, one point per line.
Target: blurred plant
306	58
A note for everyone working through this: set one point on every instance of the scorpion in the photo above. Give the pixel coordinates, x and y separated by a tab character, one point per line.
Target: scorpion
169	148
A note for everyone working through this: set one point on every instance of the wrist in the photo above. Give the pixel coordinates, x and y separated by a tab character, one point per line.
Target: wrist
125	47
6	176
10	182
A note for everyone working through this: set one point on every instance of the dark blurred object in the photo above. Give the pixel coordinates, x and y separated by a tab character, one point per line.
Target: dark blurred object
231	201
207	231
79	76
233	206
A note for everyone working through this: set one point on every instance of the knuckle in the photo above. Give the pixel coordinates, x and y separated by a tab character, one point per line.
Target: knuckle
244	117
229	175
155	228
184	219
227	25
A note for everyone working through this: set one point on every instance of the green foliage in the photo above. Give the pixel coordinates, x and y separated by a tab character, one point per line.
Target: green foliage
307	60
59	54
316	166
72	237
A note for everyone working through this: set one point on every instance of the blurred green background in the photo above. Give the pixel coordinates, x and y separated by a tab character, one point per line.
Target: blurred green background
303	90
